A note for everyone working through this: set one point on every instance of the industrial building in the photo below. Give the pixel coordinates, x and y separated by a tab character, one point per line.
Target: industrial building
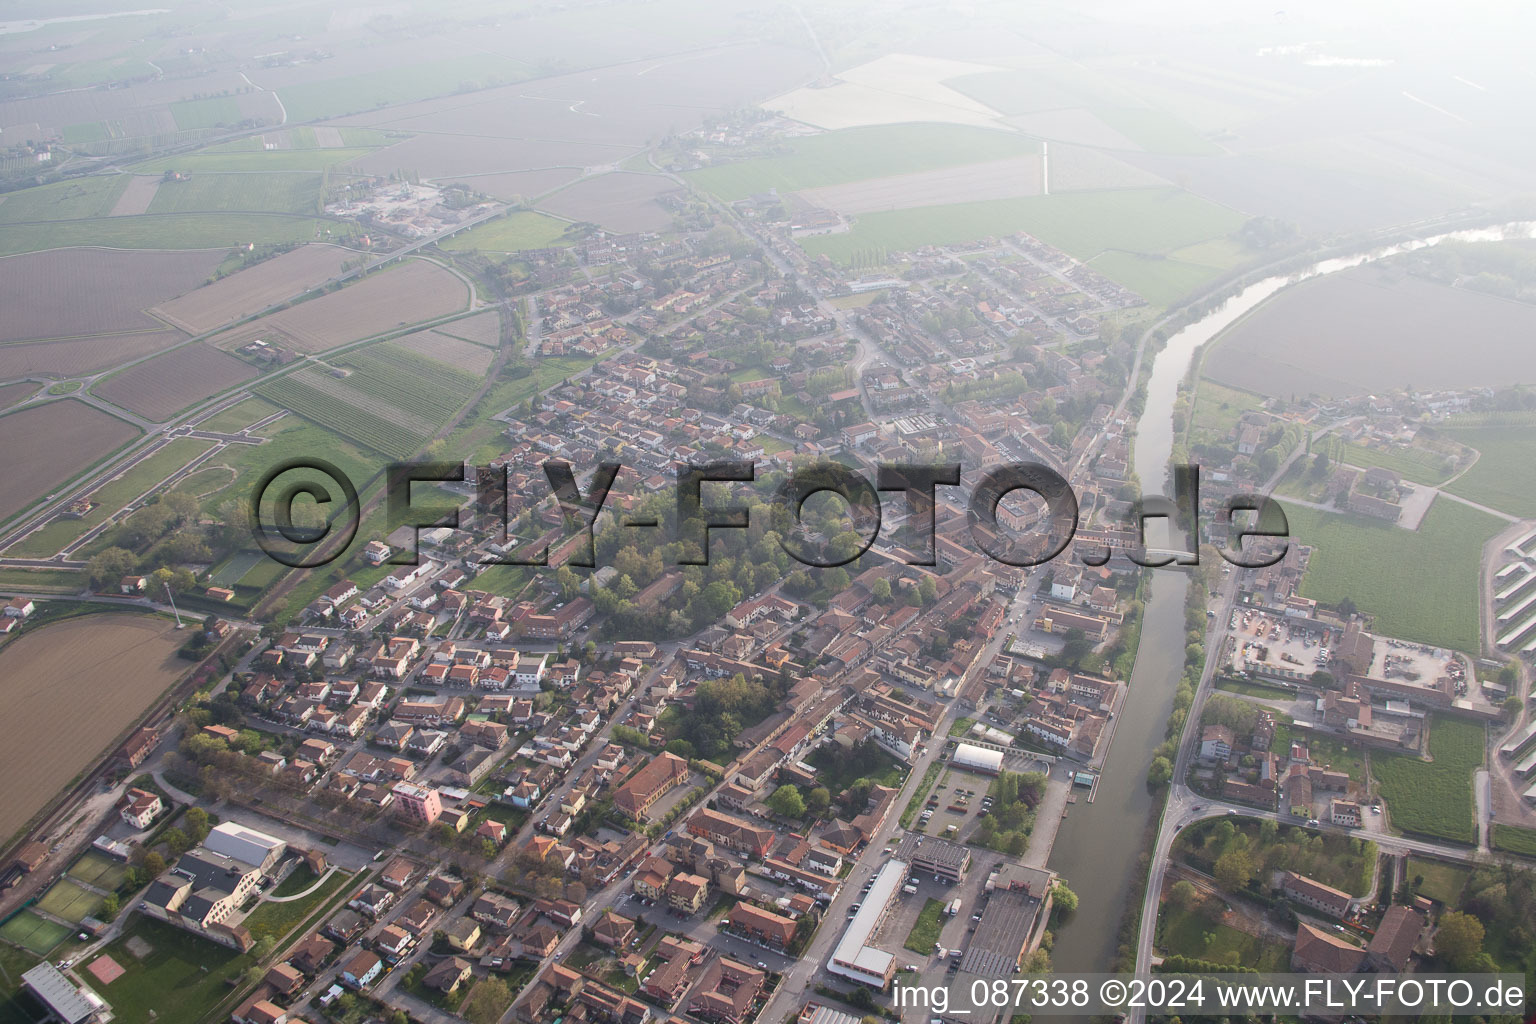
981	759
938	857
64	999
853	957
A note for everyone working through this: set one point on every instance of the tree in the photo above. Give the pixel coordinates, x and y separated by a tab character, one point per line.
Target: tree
1184	895
1234	869
1459	939
1065	899
787	802
108	567
196	824
818	800
176	841
881	591
927	590
154	864
109	906
264	947
1160	772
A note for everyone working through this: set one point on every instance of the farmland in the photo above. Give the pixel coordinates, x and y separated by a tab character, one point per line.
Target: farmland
856	154
1308	340
1216	411
392	402
521	229
45	445
1515	839
113	495
137	197
207	113
254	289
994	179
1434	798
238	416
117	665
275	161
171	381
1083	224
255	193
39	291
1420	584
619	201
448	350
169	231
1500	478
332	97
78	199
79	356
383	301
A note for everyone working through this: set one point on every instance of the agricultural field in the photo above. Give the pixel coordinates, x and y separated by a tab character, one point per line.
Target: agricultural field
1514	839
213	112
993	179
1308	339
1500	478
1415	463
1434	798
76	199
858	154
439	347
162	386
1387	571
274	161
41	292
111	496
618	201
349	95
238	416
482	329
390	299
1161	280
45	445
137	197
83	356
518	186
254	289
13	394
520	229
117	665
229	193
1084	224
173	231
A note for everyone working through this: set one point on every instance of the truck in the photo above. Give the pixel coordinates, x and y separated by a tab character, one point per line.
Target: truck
954	907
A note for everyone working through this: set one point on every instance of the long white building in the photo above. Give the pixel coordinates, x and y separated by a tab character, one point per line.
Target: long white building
853	957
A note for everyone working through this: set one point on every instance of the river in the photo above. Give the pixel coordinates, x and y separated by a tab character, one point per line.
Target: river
1097	848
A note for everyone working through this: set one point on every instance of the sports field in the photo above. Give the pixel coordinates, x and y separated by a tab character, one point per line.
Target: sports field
31	931
99	870
1420	585
69	900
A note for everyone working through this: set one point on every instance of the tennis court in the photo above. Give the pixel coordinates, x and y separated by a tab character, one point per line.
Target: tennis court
99	870
70	900
31	931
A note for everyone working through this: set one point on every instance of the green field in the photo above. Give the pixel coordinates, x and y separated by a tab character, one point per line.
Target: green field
15	1007
1501	477
1084	224
276	919
1216	411
1156	131
1514	839
171	231
213	112
301	137
1442	881
925	930
1420	585
1434	798
333	97
112	496
1415	464
238	416
180	981
385	377
855	154
253	193
1191	934
32	932
1339	756
1254	689
69	900
275	160
76	199
521	229
1161	280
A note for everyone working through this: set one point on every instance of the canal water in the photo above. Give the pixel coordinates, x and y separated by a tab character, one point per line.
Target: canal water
1097	847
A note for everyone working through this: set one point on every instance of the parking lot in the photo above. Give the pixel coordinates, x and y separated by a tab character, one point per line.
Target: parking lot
1277	646
958	798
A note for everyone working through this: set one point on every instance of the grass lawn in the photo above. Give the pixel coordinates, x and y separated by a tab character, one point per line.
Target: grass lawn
521	229
172	231
1420	585
1161	280
277	918
1189	933
1419	465
16	1008
58	580
179	981
1434	798
227	193
1216	412
1084	224
961	726
1343	757
925	930
113	496
855	154
300	879
1254	689
920	795
1442	881
1514	839
1501	476
238	416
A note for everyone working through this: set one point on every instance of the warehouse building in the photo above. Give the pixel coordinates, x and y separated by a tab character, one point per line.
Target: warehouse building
853	956
981	759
